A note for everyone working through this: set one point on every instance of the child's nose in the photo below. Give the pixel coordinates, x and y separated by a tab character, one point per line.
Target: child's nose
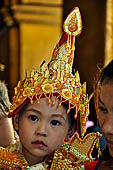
107	126
41	129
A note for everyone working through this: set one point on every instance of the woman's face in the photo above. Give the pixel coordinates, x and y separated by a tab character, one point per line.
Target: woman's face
6	131
105	115
42	129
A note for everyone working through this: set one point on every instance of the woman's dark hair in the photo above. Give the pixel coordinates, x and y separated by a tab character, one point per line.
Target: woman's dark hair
107	73
106	155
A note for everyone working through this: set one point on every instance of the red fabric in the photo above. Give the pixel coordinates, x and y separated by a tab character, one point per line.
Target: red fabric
64	39
91	165
19	108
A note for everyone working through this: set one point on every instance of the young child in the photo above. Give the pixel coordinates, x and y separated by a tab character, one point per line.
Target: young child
44	109
104	109
6	127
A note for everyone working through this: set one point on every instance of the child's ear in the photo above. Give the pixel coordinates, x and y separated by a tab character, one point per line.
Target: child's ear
70	134
16	121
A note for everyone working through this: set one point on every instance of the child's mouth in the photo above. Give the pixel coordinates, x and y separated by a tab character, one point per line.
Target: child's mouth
39	143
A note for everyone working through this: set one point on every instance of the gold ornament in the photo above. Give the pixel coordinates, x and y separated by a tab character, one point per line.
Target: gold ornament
76	153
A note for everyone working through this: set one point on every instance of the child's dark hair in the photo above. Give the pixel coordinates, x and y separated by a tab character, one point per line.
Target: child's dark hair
72	120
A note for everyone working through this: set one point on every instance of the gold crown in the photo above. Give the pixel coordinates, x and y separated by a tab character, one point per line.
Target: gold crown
56	78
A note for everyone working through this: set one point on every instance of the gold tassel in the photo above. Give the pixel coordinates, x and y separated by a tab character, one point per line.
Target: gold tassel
73	45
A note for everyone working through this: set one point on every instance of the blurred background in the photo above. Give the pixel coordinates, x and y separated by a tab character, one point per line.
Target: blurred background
30	29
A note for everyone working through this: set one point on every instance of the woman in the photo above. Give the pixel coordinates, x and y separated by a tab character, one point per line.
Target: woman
104	109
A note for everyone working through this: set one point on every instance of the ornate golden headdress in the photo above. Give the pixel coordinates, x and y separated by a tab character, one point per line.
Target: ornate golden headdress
56	78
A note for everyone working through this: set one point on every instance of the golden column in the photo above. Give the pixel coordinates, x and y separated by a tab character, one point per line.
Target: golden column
40	27
109	32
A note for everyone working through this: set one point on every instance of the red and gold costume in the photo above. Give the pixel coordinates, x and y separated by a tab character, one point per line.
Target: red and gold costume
56	79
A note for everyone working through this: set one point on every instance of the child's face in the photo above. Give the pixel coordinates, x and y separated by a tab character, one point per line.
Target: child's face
42	128
6	130
105	115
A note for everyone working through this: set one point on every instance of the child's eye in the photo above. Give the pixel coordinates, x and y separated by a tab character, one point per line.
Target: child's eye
33	118
102	109
55	122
